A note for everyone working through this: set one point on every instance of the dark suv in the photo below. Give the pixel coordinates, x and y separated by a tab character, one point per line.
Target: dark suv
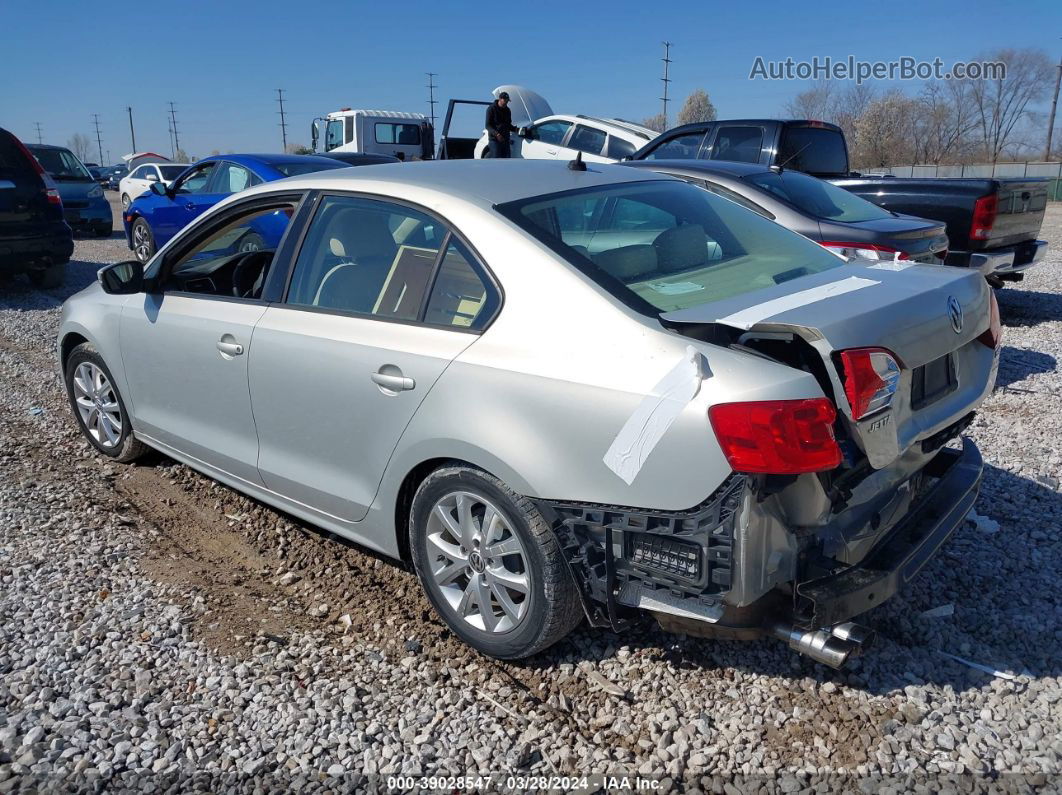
34	238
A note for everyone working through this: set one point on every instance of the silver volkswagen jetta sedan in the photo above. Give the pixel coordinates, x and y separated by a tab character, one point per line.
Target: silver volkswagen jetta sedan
560	392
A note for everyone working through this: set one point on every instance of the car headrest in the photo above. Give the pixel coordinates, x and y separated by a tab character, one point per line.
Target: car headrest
681	248
336	246
627	262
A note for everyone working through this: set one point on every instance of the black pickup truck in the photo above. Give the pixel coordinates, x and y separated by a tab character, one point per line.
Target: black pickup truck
992	224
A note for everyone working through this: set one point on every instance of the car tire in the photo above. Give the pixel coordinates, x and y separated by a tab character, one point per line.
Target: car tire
143	241
49	278
518	550
96	401
125	201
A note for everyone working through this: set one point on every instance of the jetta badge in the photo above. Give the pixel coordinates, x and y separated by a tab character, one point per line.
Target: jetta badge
955	314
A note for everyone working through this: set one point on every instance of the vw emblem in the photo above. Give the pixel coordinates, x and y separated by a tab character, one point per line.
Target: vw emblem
955	314
475	562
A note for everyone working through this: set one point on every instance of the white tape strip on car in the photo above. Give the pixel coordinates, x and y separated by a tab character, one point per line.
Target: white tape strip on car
749	317
654	416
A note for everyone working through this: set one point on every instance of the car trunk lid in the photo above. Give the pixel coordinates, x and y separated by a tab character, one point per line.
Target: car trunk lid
922	240
910	310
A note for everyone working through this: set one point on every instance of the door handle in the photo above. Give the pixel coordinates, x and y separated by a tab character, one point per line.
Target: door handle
394	382
230	348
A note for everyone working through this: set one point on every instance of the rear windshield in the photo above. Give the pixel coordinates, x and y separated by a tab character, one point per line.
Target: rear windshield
61	164
662	246
171	172
817	197
815	150
12	160
295	169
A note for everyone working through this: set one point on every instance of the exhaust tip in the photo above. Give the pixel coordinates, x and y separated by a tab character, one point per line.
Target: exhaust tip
832	646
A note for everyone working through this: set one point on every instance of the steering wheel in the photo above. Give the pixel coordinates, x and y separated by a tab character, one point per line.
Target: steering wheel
247	273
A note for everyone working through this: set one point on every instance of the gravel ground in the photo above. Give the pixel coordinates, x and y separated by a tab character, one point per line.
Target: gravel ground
160	631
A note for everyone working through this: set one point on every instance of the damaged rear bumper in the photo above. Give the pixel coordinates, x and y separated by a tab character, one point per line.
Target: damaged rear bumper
678	565
895	561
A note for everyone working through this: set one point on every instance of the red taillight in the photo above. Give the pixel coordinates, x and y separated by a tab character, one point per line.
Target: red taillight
864	250
870	379
993	335
780	437
53	196
984	216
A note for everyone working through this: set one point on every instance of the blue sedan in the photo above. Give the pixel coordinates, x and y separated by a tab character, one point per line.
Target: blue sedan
156	216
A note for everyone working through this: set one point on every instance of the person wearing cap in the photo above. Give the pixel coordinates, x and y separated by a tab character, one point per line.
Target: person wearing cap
499	126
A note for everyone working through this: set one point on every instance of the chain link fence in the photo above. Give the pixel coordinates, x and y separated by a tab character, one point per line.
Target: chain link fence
1050	170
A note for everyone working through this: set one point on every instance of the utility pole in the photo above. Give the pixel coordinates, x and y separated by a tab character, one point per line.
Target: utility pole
1054	106
431	96
131	133
99	141
40	139
283	123
169	132
667	63
176	140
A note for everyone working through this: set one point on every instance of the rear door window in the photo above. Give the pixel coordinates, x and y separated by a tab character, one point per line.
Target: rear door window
740	144
587	139
813	150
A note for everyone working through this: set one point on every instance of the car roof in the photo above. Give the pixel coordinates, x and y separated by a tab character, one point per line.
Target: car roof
31	147
482	182
727	168
263	159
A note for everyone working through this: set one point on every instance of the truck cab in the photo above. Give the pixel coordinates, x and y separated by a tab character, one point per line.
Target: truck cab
407	136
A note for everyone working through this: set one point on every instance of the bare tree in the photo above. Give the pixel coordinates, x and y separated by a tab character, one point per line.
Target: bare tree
182	157
298	149
883	132
813	103
79	144
698	107
943	121
655	122
1001	105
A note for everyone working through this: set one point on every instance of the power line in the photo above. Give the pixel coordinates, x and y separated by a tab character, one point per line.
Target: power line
176	140
1054	106
40	139
99	141
667	63
283	123
132	134
431	96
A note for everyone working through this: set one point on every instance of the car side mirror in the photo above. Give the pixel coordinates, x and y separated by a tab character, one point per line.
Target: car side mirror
524	132
158	189
152	178
122	278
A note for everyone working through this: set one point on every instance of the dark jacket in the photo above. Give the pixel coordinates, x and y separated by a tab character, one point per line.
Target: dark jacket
499	120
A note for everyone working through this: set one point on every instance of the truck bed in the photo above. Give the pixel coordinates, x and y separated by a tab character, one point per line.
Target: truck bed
1021	205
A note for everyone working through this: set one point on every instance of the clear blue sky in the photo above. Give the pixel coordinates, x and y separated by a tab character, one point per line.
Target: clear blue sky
221	62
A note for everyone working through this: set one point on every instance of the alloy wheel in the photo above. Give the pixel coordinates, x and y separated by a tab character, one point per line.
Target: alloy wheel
97	404
141	243
478	562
